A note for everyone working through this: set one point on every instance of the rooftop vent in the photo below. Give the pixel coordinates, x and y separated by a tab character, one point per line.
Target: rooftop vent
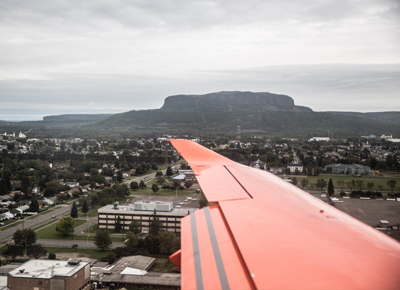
21	271
74	262
116	205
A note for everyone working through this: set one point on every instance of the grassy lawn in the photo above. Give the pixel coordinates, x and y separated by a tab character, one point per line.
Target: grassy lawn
51	233
377	180
119	238
90	238
94	228
92	211
148	192
90	253
45	224
162	265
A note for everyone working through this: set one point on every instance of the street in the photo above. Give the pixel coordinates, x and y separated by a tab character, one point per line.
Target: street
67	243
33	222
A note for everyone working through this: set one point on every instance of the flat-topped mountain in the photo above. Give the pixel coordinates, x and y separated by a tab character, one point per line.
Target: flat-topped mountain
221	112
231	101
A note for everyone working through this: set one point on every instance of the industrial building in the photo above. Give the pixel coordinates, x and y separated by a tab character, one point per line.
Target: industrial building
348	168
131	272
143	211
73	274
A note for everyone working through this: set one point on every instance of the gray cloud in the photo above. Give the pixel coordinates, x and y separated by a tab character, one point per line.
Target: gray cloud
322	87
93	56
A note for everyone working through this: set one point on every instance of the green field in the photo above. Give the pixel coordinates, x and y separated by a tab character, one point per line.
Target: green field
50	232
92	211
45	224
90	253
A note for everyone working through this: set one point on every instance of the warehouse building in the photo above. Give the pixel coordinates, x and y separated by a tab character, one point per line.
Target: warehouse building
50	275
132	272
348	168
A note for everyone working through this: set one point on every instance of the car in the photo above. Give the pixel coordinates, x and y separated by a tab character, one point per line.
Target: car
1	224
181	203
189	198
194	199
178	205
323	195
53	217
74	246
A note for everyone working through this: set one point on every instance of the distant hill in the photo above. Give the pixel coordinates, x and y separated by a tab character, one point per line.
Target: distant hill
232	101
389	117
217	113
224	111
76	117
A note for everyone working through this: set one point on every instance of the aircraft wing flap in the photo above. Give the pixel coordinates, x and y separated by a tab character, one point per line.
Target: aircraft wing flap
209	255
211	170
218	184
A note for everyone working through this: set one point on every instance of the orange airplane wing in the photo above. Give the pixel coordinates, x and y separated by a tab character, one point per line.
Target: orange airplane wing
265	233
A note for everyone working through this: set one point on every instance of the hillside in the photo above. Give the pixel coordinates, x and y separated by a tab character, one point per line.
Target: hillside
76	117
232	101
389	117
262	112
217	113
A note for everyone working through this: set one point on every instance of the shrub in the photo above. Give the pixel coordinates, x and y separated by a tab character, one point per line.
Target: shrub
52	256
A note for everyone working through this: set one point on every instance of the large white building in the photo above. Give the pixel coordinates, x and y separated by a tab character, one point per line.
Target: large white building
143	211
295	165
319	139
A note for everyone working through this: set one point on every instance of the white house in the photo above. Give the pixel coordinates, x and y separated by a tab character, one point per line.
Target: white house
318	139
295	165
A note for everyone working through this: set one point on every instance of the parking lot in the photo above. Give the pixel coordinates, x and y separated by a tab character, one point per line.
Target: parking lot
371	211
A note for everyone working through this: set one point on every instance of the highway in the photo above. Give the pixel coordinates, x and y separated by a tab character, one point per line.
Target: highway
33	222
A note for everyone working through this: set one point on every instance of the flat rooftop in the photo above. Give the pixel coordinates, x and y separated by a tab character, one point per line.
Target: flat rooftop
122	271
46	269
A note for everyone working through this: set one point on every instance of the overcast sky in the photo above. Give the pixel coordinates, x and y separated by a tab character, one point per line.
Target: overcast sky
63	57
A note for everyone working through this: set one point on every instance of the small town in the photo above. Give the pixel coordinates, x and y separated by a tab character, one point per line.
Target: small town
110	211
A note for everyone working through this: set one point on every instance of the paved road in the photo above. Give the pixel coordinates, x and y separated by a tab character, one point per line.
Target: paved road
68	243
33	222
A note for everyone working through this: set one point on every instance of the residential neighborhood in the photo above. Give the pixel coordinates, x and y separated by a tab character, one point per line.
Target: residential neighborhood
132	194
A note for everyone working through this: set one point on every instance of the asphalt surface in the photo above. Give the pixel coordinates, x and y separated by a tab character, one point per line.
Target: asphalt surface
68	242
369	211
33	222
